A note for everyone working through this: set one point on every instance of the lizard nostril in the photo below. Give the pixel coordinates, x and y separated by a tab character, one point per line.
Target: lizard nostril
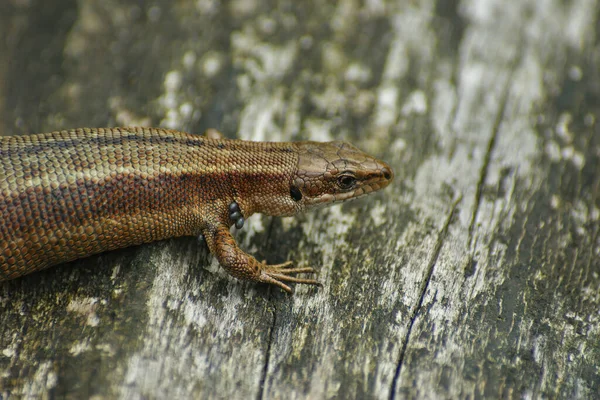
387	173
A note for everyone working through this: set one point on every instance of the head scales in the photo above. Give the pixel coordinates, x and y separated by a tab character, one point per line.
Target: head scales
334	172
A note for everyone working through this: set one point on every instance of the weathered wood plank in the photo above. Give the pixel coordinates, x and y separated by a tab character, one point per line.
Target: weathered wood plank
475	275
511	305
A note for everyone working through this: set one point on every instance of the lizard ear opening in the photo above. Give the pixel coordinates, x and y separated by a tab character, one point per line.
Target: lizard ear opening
295	193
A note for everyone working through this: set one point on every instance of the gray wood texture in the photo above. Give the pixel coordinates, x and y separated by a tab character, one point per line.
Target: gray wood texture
475	275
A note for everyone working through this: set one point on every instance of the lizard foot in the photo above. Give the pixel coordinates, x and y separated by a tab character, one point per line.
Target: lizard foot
279	273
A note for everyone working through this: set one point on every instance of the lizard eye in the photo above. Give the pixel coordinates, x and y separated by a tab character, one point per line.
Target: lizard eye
295	193
346	182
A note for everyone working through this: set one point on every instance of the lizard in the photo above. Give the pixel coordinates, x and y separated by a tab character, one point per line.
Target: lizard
68	194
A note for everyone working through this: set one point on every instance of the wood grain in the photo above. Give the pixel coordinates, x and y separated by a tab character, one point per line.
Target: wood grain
476	275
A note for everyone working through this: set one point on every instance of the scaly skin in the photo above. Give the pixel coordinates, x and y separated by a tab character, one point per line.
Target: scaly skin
69	194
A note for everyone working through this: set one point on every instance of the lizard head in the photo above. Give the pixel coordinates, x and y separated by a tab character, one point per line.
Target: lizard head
335	172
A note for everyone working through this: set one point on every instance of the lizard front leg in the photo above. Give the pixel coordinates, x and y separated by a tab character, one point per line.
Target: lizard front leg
241	265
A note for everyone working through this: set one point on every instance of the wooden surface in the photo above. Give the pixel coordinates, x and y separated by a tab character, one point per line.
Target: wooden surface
476	274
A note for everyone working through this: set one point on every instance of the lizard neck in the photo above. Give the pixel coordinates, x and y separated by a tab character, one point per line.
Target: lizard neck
260	175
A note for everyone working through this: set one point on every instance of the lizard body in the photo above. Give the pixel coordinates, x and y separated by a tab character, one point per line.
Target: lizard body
69	194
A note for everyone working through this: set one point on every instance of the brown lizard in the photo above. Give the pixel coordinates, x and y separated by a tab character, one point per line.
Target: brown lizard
69	194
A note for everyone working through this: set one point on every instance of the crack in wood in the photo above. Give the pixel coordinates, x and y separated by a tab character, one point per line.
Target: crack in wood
265	370
423	290
263	376
483	173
